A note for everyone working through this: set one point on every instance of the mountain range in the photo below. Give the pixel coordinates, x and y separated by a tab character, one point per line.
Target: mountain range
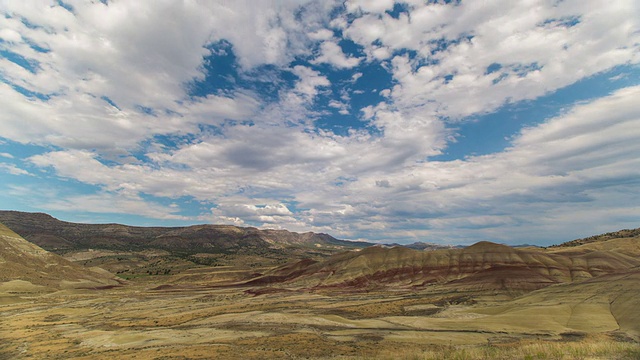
315	261
119	248
56	235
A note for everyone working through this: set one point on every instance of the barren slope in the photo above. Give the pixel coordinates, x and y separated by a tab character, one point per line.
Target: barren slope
605	303
629	246
483	266
25	267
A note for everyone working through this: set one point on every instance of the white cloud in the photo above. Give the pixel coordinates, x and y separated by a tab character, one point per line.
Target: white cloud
112	78
113	203
370	6
331	53
310	81
271	214
583	159
343	108
321	35
121	52
537	52
12	169
10	35
85	121
271	33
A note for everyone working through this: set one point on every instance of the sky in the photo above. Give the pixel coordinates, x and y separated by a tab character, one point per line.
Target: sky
439	121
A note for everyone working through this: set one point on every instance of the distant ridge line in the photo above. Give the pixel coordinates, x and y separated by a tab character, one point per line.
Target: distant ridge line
625	233
57	235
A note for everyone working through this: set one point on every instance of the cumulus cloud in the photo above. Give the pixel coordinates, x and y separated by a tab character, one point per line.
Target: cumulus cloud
271	32
83	121
269	214
331	53
106	91
379	6
568	162
310	82
574	161
531	49
108	75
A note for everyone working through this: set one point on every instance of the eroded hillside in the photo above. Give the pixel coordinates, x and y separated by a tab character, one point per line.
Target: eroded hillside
484	301
25	268
483	266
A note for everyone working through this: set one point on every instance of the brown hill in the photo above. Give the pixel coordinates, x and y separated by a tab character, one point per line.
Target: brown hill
483	266
626	233
55	235
628	245
25	267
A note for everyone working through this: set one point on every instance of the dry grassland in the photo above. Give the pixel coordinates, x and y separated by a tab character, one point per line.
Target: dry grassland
184	321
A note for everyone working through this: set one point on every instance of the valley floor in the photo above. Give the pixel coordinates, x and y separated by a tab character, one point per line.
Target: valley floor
144	320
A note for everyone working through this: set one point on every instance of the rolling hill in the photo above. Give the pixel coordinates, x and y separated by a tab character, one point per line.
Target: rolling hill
621	234
55	235
134	250
311	260
25	267
482	266
483	301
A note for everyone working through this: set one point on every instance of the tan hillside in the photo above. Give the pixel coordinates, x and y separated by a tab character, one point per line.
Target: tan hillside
482	266
25	267
629	246
606	303
487	301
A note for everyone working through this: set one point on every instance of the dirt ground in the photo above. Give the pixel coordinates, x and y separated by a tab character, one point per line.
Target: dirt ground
180	320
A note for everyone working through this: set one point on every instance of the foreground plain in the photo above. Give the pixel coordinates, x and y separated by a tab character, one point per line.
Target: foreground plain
142	321
485	302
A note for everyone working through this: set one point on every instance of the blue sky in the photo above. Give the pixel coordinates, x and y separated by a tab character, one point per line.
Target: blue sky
449	122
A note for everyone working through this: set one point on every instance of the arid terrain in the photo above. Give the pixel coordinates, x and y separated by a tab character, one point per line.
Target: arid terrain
578	300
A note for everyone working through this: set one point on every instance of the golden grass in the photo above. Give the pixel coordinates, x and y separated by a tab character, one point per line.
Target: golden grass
185	316
598	347
228	323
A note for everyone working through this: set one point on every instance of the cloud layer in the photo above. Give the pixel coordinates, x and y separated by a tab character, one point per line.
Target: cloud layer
325	116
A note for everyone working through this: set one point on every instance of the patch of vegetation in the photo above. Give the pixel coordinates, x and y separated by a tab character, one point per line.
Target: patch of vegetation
589	348
626	233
